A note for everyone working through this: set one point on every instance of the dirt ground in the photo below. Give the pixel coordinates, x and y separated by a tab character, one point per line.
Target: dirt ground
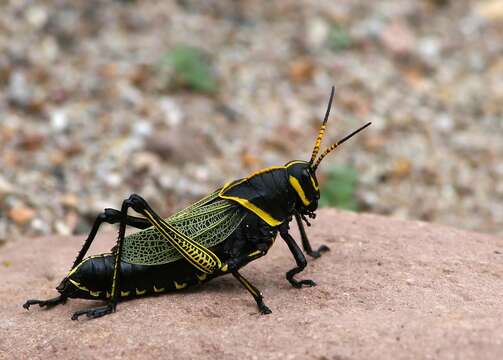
388	289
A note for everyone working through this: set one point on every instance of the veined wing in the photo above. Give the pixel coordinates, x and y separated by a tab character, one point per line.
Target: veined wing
207	222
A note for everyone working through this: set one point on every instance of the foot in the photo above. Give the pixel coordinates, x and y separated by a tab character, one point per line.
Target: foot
95	312
317	253
264	310
137	203
300	283
45	303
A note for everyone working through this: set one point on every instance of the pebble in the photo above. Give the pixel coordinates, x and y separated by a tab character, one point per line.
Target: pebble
6	187
301	70
317	32
21	215
18	90
37	16
491	10
59	120
398	38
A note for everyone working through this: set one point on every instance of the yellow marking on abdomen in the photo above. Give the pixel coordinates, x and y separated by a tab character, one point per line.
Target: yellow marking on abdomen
254	253
158	290
77	285
140	292
125	293
201	277
180	286
73	270
95	293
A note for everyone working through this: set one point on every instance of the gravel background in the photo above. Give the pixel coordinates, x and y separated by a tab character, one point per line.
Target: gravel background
89	115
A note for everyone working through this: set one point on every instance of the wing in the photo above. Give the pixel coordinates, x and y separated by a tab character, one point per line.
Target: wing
208	222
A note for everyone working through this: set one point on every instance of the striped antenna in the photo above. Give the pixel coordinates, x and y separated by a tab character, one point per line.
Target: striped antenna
322	128
333	146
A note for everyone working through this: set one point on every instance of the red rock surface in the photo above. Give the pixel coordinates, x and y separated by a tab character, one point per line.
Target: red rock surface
389	289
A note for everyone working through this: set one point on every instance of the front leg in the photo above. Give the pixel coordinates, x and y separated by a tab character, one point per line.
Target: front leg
299	257
305	241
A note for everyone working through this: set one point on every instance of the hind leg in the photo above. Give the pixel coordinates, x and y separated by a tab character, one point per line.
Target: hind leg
115	292
110	216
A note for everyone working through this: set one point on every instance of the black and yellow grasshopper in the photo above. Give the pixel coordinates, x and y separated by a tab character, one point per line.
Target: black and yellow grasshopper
215	236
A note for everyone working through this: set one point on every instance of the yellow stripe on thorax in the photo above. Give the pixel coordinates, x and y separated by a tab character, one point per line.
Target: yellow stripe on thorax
254	208
264	215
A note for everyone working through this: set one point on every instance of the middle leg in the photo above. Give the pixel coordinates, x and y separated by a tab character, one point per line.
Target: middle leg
299	257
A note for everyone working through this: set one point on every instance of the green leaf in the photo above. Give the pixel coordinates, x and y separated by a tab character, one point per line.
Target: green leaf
338	38
191	69
339	189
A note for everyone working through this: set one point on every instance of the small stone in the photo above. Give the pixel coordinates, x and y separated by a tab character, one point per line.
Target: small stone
21	215
429	48
40	226
173	114
113	179
61	228
374	142
18	91
57	157
69	200
398	38
37	16
59	120
301	70
31	141
142	128
146	161
6	187
491	10
317	32
402	167
250	161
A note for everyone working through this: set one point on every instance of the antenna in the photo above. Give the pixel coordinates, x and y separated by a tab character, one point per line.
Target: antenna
321	133
333	146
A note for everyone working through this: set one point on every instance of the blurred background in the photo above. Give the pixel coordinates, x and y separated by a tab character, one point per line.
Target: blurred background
171	99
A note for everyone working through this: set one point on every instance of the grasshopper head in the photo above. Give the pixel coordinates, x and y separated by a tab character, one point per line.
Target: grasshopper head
302	174
303	180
